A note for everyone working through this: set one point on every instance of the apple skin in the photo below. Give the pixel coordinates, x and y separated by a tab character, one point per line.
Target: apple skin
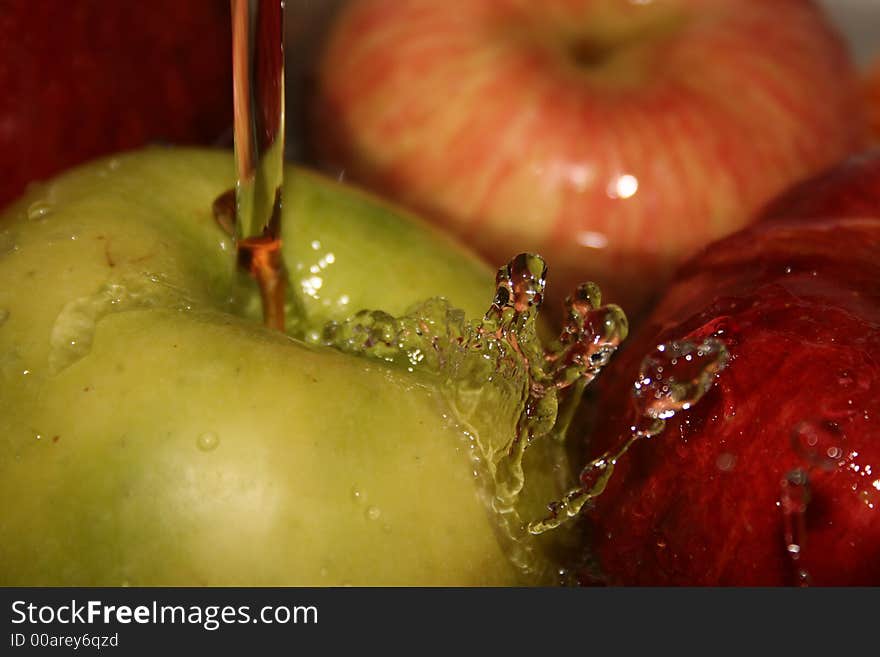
191	446
90	77
615	138
795	299
872	99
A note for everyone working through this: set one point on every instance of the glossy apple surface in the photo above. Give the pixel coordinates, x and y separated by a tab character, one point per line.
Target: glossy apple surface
154	435
90	77
613	137
713	500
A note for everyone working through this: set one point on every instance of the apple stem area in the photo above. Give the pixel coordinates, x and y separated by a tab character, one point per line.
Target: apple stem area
258	98
261	258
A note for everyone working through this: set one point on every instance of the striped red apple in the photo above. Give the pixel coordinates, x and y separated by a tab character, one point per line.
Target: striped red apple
615	137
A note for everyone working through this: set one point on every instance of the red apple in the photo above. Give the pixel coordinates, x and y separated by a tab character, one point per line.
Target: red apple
614	137
872	97
774	477
87	77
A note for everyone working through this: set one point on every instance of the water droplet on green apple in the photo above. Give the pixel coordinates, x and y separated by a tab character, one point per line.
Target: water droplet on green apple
373	512
74	328
39	210
208	441
4	315
7	243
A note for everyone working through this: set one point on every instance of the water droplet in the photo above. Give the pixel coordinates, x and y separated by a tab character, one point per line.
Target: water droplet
208	441
4	315
725	462
819	443
74	328
794	500
590	336
520	284
357	495
7	243
677	375
39	210
373	513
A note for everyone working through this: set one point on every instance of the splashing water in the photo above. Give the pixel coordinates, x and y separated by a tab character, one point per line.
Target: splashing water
505	388
671	379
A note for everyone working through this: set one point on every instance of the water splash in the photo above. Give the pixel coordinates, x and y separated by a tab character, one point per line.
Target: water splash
671	379
505	388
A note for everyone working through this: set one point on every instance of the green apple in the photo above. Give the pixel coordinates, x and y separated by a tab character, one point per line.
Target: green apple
153	432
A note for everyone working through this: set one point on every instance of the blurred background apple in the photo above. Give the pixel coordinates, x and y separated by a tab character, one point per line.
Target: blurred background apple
89	77
615	138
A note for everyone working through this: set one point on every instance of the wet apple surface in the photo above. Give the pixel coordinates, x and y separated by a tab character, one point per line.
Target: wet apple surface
774	478
154	432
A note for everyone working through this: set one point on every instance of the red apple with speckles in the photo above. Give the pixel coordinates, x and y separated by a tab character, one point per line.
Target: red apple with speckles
82	78
614	137
773	478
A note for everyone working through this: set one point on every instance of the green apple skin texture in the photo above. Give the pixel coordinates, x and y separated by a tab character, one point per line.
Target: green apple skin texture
191	446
